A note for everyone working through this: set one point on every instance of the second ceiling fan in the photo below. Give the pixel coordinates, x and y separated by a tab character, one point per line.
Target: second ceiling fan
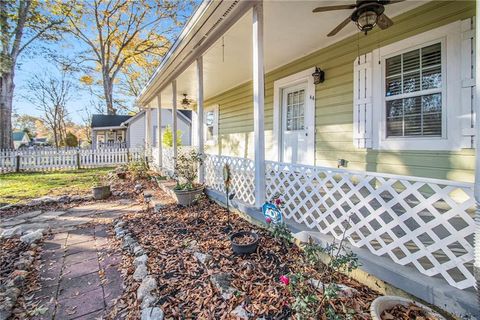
367	14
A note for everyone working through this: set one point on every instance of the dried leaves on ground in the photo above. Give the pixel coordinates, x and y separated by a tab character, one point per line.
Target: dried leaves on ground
185	286
401	312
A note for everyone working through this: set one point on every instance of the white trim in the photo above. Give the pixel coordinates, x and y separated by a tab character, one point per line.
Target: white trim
450	37
304	76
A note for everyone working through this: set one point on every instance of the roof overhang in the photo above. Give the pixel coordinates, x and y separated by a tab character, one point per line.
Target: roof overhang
209	22
108	128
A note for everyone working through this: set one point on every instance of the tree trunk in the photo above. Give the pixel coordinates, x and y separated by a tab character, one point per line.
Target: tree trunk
108	91
6	100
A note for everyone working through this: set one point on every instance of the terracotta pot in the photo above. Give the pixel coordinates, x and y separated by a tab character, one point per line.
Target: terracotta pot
244	248
187	197
101	192
387	302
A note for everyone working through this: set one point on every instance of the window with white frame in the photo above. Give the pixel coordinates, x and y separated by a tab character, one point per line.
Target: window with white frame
210	119
413	93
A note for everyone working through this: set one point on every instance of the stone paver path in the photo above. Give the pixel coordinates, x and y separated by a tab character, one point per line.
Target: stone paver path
79	276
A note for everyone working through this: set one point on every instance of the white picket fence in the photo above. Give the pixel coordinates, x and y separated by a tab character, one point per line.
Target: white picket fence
423	223
61	159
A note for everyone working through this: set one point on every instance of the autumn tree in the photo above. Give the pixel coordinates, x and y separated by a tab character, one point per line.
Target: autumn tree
50	95
119	35
22	24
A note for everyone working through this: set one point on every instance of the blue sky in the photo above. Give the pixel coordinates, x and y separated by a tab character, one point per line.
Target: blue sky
33	63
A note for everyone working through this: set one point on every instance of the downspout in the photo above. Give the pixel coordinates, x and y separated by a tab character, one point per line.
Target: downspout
476	266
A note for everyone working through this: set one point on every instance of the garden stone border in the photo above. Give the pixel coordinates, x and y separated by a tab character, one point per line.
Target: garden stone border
145	292
14	284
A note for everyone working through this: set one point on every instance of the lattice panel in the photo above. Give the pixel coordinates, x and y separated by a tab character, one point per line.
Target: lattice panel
242	171
425	223
167	157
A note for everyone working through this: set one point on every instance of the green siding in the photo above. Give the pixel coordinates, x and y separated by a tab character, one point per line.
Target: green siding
334	104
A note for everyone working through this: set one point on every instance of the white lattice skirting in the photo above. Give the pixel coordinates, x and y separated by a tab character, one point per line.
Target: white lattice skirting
242	171
425	223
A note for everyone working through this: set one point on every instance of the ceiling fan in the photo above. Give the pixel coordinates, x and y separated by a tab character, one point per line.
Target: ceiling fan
185	101
367	14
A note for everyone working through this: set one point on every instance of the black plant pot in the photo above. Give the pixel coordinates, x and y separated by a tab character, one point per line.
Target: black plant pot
244	248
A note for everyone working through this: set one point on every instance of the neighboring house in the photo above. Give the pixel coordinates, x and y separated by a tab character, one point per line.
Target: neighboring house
40	142
129	131
20	139
108	131
396	109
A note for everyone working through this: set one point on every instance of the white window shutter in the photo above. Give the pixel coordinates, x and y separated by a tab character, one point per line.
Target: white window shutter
362	101
468	84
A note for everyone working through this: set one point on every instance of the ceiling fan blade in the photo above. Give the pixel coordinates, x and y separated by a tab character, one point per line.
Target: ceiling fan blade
331	8
384	22
385	2
339	27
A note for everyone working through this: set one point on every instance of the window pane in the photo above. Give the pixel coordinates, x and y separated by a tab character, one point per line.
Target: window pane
432	78
432	55
393	86
432	114
393	66
411	61
395	118
394	108
394	127
411	82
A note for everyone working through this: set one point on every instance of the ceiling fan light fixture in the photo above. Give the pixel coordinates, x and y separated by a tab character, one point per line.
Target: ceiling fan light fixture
366	16
185	102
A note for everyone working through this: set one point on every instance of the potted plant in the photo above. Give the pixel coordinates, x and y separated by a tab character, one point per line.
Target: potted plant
244	242
100	189
186	170
393	307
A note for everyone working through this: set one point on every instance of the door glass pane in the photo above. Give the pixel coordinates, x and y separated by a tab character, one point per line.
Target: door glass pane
295	110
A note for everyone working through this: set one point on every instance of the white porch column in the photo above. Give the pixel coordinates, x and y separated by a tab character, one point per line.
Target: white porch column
159	129
174	121
201	169
258	104
148	135
476	265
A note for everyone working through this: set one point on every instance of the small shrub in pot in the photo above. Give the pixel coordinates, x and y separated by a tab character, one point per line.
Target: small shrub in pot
186	171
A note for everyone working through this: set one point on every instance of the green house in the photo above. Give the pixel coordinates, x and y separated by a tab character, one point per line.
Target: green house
364	121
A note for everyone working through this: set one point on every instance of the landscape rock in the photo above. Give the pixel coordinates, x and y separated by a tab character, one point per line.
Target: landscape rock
240	312
32	236
154	313
138	251
138	188
148	301
11	232
140	272
7	207
120	224
140	260
222	282
148	284
64	199
202	257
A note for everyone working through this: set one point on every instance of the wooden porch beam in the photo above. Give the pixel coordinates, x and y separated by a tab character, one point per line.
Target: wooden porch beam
258	104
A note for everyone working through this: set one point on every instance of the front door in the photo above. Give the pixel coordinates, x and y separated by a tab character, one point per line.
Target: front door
297	125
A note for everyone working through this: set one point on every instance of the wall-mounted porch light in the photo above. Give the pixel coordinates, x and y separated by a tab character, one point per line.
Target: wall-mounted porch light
341	163
318	76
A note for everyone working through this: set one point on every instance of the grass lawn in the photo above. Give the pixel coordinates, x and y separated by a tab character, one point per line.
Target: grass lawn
19	187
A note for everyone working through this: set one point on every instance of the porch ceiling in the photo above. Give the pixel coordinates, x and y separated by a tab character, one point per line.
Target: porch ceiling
291	32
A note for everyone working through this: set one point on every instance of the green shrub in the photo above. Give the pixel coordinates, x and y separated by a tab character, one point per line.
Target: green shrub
167	138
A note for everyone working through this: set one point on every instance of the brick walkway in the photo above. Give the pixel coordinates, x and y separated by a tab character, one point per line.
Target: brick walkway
78	276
